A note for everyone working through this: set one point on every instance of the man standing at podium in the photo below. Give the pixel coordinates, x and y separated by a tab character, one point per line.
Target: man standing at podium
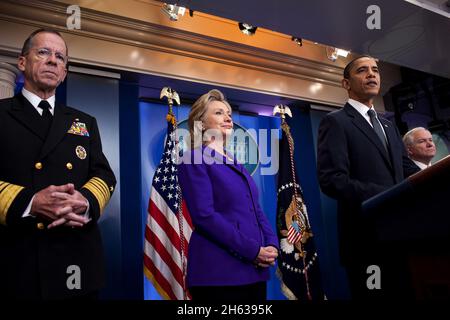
420	146
360	154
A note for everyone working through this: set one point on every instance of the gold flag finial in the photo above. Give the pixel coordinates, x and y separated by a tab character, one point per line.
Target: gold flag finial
171	96
283	110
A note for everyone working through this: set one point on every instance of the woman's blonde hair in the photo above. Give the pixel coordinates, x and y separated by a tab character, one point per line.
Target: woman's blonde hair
197	113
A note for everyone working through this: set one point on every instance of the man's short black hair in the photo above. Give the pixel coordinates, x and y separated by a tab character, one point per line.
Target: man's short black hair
28	44
349	66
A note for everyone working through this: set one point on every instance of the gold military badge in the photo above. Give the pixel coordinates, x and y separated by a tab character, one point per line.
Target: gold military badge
81	152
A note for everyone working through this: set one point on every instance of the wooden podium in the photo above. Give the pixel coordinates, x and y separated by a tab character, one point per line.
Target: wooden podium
413	220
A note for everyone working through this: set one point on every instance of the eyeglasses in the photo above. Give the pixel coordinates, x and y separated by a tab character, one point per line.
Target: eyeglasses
45	53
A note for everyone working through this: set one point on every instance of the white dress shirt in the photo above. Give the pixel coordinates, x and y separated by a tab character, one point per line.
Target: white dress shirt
421	165
35	100
362	110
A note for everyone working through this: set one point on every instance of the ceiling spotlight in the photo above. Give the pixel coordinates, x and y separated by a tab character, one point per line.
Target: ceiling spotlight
342	52
173	11
333	53
247	29
298	41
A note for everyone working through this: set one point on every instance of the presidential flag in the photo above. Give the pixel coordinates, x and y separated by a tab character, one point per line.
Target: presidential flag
169	226
298	265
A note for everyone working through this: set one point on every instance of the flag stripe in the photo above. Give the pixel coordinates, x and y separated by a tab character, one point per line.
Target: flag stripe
154	253
168	253
163	222
167	269
160	278
171	217
155	283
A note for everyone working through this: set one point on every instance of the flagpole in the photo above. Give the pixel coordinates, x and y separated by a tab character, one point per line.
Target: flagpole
172	96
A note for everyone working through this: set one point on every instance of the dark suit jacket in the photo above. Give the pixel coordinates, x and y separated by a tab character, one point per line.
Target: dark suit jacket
353	166
35	259
229	225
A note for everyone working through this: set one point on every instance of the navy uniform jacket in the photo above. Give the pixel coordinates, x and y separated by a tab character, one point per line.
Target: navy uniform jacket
353	166
35	261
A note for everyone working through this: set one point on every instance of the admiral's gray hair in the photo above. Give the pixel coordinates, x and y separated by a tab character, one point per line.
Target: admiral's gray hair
28	44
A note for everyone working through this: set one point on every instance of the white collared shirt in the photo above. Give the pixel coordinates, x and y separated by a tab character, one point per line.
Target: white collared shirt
35	100
421	165
363	110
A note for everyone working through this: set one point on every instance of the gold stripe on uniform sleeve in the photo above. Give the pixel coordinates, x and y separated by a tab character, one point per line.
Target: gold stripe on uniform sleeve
8	192
3	185
101	187
100	190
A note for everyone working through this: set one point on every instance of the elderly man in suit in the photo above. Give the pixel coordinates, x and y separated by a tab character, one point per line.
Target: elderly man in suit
420	146
54	183
359	155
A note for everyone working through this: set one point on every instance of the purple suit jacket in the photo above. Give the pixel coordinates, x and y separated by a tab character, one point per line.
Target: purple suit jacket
229	225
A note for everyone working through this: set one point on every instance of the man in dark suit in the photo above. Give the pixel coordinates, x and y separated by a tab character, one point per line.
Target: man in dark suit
359	155
54	183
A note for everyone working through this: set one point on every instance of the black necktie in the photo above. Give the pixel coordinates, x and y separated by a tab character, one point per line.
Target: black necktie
377	127
46	115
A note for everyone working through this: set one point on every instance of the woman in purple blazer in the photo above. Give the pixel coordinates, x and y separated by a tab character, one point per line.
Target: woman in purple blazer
232	245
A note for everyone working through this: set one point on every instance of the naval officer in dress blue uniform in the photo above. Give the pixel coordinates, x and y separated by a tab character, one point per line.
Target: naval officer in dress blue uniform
55	182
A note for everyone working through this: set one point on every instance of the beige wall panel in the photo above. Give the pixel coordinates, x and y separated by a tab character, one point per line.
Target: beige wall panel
97	52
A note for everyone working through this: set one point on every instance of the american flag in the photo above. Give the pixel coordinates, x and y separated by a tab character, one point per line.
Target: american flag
294	233
168	227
